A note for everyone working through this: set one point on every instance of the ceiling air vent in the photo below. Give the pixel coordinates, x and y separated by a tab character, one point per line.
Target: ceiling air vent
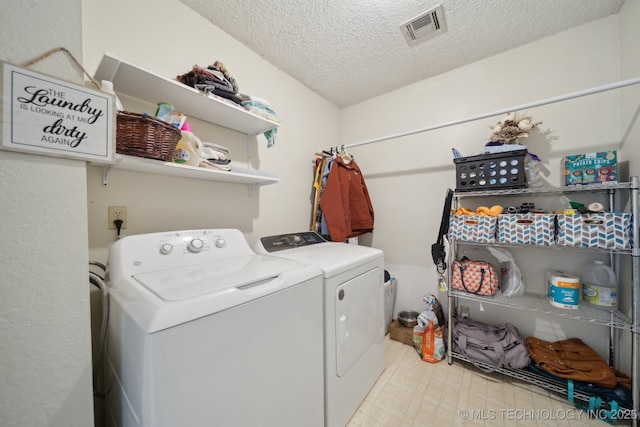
424	26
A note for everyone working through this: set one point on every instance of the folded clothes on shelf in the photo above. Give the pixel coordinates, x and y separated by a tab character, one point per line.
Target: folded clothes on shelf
215	156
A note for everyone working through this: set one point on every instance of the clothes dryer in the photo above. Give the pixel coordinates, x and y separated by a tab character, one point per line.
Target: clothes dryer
203	331
353	279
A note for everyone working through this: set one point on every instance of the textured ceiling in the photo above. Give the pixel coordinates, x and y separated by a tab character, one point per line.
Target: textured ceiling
349	51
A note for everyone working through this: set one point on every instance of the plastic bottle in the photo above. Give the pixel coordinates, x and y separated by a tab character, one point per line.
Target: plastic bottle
189	148
163	111
107	87
599	286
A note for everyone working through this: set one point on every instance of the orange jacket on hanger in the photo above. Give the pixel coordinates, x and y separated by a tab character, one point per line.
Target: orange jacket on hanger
345	202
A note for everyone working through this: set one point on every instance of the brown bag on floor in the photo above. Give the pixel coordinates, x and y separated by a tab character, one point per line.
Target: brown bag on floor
573	360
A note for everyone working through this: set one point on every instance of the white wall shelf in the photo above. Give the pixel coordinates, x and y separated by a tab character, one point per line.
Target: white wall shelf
135	81
236	175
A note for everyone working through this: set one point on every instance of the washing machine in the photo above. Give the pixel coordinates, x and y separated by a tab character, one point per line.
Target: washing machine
203	331
353	279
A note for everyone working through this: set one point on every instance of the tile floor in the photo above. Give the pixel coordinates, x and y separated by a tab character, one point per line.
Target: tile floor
413	393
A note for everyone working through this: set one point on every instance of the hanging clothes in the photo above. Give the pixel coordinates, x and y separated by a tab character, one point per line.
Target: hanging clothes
316	213
345	203
324	230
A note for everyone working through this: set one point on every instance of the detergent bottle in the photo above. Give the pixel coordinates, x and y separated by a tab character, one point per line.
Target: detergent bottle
189	148
107	87
599	286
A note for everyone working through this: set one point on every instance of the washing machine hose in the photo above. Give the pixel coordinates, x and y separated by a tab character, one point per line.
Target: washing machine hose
98	281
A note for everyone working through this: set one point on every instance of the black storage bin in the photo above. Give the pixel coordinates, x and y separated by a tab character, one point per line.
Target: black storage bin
495	171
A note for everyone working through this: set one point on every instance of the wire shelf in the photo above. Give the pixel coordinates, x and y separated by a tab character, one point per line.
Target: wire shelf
540	304
548	247
590	188
529	376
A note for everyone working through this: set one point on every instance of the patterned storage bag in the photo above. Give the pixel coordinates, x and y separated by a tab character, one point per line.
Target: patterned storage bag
472	228
526	229
604	230
475	277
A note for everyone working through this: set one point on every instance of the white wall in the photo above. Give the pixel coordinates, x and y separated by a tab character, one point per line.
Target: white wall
170	40
407	177
45	359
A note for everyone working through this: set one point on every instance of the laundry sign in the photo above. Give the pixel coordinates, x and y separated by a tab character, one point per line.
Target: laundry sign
47	116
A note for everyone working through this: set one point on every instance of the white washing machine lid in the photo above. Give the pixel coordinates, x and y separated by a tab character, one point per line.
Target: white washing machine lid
158	300
182	283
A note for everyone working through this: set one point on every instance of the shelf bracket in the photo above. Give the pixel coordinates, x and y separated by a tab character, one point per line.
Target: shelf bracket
249	163
105	175
249	136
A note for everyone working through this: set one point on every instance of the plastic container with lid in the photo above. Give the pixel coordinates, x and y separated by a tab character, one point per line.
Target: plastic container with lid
189	148
599	286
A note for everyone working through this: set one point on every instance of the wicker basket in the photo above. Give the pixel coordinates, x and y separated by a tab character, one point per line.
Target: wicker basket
144	136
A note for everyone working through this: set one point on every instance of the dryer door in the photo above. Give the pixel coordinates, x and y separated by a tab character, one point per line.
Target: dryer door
359	317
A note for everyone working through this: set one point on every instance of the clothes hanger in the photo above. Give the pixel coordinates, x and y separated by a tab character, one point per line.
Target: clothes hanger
344	155
324	153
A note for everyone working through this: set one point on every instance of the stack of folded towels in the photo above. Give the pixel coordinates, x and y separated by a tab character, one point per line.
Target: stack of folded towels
258	106
262	108
215	156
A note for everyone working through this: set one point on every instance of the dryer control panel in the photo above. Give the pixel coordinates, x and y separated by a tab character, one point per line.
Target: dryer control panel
290	241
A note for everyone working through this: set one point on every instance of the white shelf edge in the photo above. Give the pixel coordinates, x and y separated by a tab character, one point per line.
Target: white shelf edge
133	80
586	188
235	175
620	251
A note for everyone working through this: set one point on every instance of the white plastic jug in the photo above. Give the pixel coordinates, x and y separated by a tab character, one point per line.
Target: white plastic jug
107	87
189	149
599	286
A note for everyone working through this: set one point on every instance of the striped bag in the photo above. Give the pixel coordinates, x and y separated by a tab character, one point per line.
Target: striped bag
475	277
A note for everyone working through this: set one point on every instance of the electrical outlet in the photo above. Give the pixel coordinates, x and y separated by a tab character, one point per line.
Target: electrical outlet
464	311
117	212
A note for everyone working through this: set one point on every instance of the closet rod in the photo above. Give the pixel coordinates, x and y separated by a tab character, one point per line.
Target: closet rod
578	94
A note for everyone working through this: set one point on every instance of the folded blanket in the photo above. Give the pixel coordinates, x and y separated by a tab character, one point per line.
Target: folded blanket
254	99
260	110
213	165
215	147
260	107
205	77
211	151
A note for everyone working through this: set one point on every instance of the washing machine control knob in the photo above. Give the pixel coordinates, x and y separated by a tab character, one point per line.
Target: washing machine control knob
166	248
196	245
220	243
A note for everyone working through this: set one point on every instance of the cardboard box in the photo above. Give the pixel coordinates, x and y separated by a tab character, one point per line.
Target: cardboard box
527	229
472	228
400	333
605	230
591	168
